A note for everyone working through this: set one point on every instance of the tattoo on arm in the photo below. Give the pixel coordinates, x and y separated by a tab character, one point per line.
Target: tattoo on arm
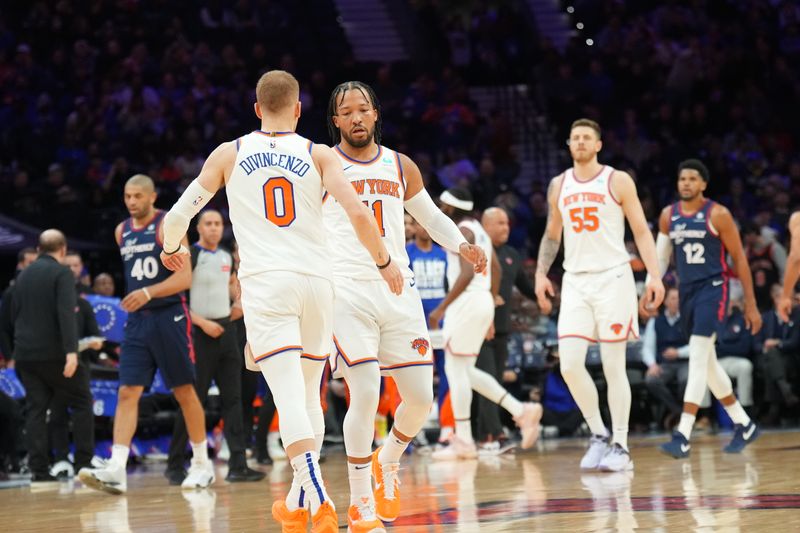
548	248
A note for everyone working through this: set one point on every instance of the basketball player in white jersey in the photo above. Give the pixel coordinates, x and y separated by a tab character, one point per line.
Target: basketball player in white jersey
590	202
468	311
376	332
274	181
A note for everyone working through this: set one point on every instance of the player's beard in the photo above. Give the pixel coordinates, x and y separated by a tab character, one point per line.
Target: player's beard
687	196
359	143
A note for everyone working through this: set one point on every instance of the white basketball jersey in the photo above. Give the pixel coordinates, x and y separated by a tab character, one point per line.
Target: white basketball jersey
379	183
594	223
275	199
480	282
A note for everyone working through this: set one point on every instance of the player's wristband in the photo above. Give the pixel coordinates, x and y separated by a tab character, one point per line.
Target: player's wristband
386	264
147	293
178	249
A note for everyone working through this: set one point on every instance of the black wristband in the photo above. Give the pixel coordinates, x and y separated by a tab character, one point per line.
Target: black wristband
178	249
386	264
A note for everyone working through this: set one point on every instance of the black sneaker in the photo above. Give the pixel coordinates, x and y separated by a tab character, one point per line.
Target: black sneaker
244	474
263	458
175	476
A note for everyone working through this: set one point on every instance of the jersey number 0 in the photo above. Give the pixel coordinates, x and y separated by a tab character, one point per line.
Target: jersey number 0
279	201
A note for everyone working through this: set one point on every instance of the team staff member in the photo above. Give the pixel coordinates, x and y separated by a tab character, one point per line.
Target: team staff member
217	354
42	313
494	352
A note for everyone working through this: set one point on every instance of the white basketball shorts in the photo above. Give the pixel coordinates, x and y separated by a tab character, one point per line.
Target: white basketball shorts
467	321
372	324
286	311
599	306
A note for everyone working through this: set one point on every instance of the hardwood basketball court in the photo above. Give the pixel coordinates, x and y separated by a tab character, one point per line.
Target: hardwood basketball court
539	491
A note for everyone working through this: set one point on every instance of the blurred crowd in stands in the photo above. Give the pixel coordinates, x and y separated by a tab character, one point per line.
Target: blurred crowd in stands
92	92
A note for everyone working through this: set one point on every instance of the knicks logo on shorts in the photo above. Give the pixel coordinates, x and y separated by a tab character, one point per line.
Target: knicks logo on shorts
420	345
617	328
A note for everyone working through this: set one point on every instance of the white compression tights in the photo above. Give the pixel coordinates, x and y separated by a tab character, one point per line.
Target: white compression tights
704	369
286	374
415	385
572	352
463	377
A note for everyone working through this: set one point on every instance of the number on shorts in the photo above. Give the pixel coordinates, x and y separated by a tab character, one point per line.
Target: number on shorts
584	219
694	253
279	201
145	268
377	210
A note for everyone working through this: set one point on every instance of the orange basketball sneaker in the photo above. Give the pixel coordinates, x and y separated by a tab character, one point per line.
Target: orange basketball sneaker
387	489
325	519
291	521
361	519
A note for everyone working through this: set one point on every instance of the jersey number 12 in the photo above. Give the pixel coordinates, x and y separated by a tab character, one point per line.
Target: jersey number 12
694	253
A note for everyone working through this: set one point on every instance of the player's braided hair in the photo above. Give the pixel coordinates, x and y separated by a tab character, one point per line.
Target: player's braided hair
336	98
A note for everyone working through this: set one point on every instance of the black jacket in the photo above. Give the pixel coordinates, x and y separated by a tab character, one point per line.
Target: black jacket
787	333
41	313
513	276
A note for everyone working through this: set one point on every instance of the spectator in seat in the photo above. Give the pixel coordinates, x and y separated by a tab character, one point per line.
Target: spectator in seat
665	352
735	352
777	345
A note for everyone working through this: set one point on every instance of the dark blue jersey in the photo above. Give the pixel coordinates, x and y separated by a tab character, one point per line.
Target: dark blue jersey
140	250
430	274
699	253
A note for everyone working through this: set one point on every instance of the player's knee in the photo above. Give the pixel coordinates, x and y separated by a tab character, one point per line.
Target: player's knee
129	394
185	393
365	394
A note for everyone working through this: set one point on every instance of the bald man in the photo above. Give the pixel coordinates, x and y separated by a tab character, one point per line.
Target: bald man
44	343
494	353
157	336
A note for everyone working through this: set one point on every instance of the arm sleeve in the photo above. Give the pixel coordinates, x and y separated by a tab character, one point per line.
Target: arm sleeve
663	253
683	352
66	300
649	343
441	229
176	222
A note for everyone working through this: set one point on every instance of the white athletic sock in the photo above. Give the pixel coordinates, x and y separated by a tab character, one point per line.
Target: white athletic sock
199	452
119	455
685	425
737	413
360	477
572	353
619	389
464	430
297	495
309	476
392	450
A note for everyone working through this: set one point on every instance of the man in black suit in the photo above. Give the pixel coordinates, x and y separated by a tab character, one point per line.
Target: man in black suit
45	349
778	343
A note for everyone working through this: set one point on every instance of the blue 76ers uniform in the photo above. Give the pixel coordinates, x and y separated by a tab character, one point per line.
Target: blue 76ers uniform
158	335
702	270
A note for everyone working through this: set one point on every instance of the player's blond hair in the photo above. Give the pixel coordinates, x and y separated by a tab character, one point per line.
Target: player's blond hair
588	123
276	91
